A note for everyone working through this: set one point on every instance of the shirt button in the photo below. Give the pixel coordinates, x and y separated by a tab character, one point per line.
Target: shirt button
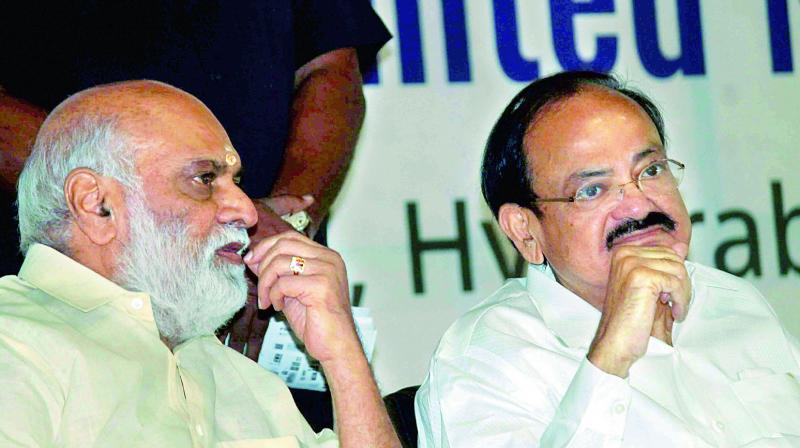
619	408
137	303
719	426
199	430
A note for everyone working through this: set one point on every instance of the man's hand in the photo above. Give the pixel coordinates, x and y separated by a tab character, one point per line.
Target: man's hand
317	306
248	326
270	211
316	303
648	290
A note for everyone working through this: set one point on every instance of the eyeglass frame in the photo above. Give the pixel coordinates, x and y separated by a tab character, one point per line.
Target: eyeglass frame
571	199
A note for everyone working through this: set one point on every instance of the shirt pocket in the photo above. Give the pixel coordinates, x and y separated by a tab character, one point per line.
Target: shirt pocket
279	442
773	401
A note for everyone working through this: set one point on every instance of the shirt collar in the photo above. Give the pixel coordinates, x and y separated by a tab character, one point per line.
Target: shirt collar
567	316
67	280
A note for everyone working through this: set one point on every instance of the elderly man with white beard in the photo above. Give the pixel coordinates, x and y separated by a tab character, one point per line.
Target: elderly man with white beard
134	228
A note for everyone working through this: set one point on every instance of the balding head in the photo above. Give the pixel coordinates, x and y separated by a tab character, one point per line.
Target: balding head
134	108
101	129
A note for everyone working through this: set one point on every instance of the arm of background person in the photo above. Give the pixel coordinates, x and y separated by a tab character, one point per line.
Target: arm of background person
327	112
19	123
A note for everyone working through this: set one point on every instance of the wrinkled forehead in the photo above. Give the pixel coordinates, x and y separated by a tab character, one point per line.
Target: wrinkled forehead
595	127
174	139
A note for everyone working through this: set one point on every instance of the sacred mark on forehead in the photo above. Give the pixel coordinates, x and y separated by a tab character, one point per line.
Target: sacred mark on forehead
230	155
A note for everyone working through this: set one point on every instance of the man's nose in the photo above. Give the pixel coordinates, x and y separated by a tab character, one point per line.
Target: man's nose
631	202
236	208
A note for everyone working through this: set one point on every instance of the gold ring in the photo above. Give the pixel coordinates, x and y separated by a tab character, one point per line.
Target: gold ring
297	265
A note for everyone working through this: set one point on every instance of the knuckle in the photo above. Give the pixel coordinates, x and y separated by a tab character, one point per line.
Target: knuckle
640	271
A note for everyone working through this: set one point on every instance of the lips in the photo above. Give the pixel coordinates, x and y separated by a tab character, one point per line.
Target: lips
231	252
642	236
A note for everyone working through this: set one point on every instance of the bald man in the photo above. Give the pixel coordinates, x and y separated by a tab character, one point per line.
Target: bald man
134	234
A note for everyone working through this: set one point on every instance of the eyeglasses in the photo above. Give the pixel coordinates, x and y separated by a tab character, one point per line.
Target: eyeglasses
661	176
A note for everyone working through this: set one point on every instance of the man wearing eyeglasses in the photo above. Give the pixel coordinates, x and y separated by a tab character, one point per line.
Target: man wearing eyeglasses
613	339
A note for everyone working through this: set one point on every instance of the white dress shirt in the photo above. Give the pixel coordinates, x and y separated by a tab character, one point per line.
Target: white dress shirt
513	372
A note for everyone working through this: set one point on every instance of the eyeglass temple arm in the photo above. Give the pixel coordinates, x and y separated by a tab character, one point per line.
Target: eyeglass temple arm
569	199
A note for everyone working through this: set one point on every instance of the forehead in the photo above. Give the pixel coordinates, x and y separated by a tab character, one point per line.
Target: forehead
177	136
597	126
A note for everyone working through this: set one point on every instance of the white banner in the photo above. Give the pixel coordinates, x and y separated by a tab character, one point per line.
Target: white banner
420	245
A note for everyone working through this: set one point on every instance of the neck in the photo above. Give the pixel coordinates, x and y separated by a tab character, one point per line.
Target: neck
589	295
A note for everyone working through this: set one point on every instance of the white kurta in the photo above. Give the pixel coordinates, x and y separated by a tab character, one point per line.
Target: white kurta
513	372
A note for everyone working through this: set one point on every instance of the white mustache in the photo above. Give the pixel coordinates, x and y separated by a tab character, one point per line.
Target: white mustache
227	235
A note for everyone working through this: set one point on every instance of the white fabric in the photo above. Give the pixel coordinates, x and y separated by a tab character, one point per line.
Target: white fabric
513	372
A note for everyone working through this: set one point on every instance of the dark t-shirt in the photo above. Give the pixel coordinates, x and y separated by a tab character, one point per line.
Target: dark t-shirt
238	57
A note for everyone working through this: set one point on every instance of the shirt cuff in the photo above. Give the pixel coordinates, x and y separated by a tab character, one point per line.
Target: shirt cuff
594	408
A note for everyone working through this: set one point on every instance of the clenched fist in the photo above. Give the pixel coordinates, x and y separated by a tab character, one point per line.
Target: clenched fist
648	289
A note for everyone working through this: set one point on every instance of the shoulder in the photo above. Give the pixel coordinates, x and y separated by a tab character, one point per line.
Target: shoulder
727	293
716	279
503	322
17	310
31	339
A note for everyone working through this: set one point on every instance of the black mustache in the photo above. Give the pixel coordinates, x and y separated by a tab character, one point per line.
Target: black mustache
633	225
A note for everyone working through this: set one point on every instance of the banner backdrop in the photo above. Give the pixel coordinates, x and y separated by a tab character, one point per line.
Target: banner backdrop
420	245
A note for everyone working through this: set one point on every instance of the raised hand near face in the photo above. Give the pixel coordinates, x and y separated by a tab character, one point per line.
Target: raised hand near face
648	289
308	282
248	326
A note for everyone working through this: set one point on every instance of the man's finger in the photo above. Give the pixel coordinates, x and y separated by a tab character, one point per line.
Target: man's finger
662	323
287	243
648	252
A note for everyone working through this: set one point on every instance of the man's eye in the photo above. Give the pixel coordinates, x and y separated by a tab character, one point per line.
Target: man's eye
206	178
589	192
653	170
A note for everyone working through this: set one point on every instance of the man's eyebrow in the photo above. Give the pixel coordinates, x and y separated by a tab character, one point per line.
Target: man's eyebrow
592	172
217	166
588	174
639	156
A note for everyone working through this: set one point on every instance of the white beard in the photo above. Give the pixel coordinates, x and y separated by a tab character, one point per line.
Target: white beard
192	291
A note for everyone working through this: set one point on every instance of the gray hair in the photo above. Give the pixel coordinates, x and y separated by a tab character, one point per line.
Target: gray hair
86	142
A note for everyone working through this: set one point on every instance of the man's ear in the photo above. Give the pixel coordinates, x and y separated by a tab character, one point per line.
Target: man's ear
91	199
520	224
